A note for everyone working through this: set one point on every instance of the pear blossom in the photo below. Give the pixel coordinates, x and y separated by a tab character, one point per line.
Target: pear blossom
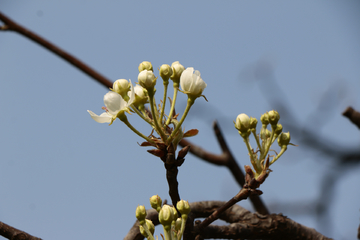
147	79
192	83
115	106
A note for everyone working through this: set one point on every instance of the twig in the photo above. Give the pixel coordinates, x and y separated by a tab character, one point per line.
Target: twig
225	159
14	234
13	26
352	115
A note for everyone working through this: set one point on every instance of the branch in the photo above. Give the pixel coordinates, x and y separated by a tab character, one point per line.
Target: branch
14	234
353	116
225	159
13	26
244	224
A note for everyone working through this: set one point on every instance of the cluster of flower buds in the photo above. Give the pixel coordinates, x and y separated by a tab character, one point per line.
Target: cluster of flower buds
173	225
260	158
125	97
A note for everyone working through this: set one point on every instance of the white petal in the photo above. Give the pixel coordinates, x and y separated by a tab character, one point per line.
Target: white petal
113	102
103	118
132	94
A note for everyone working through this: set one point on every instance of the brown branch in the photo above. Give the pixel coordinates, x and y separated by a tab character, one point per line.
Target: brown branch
225	159
352	115
13	26
14	234
244	224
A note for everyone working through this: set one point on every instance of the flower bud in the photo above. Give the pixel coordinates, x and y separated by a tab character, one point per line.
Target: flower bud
177	70
165	72
178	224
166	216
284	139
183	207
147	79
140	214
274	117
150	226
264	134
242	123
141	96
278	129
145	65
121	86
155	202
264	119
253	123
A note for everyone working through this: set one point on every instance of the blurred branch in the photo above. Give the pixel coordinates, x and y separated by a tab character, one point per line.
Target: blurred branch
10	25
14	234
353	116
244	224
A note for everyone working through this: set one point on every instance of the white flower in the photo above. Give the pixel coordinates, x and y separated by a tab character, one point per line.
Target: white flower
242	122
191	82
115	105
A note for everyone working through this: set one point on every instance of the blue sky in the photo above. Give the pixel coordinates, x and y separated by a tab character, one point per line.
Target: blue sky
63	174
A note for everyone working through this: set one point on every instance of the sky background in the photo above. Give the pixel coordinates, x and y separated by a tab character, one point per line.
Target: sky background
64	176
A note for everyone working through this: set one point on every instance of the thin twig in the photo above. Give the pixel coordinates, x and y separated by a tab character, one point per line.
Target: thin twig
13	26
352	115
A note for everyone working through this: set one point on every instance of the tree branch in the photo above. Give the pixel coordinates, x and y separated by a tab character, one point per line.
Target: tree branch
14	234
13	26
352	115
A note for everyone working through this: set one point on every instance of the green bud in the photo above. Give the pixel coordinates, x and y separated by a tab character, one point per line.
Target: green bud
175	213
140	214
242	123
178	224
284	139
165	72
274	117
166	216
156	202
183	207
264	134
278	129
145	65
264	119
177	70
253	123
150	226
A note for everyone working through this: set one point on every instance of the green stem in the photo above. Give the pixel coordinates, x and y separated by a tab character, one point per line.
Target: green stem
190	102
167	233
124	119
257	139
250	150
150	236
142	115
283	149
155	114
164	101
268	143
176	86
183	223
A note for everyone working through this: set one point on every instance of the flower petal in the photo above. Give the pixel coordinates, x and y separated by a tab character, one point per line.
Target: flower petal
103	118
132	94
113	102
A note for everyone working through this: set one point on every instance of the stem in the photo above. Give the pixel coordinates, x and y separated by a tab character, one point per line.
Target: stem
164	101
142	115
176	86
257	139
157	126
183	223
190	102
123	118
